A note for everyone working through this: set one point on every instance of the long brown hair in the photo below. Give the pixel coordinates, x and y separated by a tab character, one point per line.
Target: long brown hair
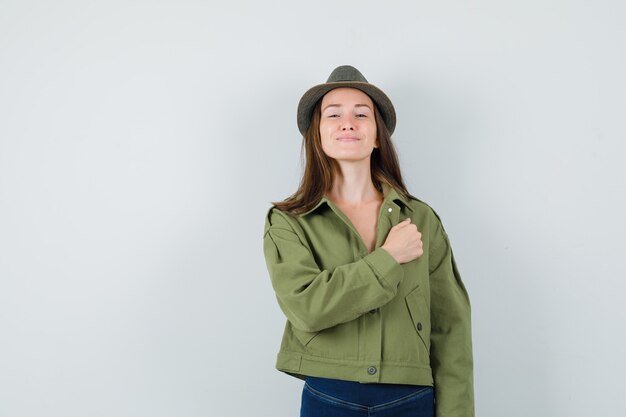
319	169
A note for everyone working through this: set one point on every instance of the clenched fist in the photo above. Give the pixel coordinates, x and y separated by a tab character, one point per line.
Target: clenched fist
404	242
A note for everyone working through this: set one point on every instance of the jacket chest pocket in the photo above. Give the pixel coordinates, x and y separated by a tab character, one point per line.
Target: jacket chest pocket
420	315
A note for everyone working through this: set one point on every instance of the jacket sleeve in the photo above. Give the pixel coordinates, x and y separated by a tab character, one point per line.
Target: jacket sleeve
315	299
451	339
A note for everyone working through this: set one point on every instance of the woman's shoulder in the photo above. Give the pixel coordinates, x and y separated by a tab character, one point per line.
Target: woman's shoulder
424	210
277	218
420	206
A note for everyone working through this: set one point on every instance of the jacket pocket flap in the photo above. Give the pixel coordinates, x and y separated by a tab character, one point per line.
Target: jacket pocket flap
302	336
420	315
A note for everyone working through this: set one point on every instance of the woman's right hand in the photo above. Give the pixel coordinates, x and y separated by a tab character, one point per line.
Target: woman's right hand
404	242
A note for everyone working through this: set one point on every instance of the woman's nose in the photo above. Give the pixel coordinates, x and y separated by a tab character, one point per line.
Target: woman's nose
347	125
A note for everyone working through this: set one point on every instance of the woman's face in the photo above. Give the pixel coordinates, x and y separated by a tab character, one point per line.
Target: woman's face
347	125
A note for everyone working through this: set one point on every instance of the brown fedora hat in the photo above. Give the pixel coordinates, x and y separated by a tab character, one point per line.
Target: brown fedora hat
345	76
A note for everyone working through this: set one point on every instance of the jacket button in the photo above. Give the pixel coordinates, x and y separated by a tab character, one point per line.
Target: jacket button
371	370
419	326
389	209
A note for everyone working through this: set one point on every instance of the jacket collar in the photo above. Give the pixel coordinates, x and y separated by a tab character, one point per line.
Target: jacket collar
389	194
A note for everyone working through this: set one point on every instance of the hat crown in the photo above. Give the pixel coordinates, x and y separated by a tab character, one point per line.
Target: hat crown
346	73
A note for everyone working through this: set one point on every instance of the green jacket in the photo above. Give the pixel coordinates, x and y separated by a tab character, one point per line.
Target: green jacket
362	316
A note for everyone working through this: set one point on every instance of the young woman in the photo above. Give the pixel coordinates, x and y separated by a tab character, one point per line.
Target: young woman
378	319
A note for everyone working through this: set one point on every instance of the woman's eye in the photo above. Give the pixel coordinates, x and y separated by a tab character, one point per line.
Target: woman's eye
361	115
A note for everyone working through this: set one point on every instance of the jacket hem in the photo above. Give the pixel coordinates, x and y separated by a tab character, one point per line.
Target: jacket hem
301	365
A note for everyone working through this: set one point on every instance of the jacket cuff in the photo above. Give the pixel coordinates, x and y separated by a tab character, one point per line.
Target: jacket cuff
387	269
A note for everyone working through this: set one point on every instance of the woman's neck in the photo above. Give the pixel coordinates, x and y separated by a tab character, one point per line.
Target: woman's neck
353	185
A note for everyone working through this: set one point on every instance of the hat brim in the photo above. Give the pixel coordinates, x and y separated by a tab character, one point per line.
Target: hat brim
313	95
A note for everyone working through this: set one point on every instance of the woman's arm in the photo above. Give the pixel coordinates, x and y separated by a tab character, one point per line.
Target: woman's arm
451	337
314	299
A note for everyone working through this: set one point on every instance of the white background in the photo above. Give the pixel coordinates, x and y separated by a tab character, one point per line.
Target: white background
141	143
